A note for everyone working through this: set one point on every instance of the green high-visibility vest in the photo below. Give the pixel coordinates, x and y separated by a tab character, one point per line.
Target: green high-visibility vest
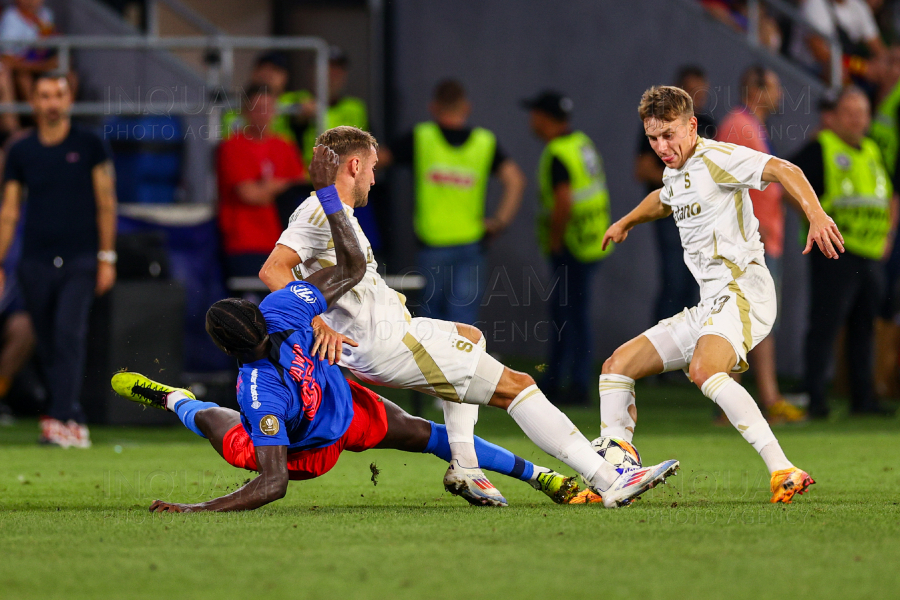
589	218
451	185
346	111
884	128
857	194
233	123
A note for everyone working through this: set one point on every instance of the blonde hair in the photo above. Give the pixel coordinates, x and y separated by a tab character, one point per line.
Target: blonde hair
346	141
666	103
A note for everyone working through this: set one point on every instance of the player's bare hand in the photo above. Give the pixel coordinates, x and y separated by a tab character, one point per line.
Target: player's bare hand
328	343
324	167
159	506
825	234
106	277
617	233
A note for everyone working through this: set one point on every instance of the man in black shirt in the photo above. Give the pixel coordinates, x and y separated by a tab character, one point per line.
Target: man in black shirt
452	164
677	288
68	251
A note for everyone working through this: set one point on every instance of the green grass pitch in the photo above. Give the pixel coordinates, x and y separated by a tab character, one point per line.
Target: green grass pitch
74	523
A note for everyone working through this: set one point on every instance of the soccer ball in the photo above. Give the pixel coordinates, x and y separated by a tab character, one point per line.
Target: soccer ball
619	452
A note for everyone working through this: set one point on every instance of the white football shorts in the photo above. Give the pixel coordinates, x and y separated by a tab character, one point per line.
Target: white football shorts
743	313
434	359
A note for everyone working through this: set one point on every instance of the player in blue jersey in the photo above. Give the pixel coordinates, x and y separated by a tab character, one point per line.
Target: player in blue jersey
241	330
298	413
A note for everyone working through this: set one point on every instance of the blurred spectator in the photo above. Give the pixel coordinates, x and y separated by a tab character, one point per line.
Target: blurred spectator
27	20
342	110
761	96
846	171
9	122
734	13
68	245
452	164
573	215
16	342
255	166
852	22
885	131
677	289
269	71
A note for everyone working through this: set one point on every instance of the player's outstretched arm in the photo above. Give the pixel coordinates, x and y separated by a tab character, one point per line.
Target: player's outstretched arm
271	485
651	208
335	281
822	230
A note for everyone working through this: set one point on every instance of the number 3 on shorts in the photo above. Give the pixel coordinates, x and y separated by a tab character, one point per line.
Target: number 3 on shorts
720	303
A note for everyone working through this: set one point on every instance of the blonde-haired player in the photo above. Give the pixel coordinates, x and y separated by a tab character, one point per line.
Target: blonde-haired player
704	189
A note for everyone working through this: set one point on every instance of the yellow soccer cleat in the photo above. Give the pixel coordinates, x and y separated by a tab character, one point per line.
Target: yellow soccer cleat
556	486
787	482
785	412
144	390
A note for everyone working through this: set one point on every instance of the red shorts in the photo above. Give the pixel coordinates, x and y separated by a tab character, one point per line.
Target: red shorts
367	429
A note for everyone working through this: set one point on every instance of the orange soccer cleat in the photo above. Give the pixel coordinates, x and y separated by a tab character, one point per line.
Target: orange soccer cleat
787	482
585	497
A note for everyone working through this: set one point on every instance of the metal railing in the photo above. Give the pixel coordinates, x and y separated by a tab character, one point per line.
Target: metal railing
754	15
188	14
219	78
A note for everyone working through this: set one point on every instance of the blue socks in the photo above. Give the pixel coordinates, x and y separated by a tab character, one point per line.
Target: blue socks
490	456
187	409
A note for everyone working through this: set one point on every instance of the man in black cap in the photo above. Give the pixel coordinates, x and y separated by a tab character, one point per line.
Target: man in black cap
572	217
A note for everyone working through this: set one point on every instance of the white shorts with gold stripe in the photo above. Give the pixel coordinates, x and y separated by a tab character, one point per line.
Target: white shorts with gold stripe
434	359
743	313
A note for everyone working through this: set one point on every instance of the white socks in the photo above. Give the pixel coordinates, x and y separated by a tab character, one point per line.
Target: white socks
555	434
460	420
174	398
744	414
617	408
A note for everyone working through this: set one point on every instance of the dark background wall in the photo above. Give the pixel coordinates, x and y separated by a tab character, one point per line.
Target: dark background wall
603	53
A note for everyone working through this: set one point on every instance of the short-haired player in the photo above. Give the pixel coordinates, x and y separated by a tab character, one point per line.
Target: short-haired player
705	187
441	358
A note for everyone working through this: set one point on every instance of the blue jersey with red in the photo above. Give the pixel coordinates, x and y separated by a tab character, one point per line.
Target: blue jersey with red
291	398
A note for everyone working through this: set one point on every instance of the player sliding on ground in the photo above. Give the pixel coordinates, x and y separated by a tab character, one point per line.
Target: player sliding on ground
447	360
704	188
298	412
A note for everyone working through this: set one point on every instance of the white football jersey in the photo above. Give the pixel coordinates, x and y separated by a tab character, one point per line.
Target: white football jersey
712	208
372	313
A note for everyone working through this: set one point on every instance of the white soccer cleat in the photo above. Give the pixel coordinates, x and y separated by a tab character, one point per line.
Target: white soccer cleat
472	485
634	482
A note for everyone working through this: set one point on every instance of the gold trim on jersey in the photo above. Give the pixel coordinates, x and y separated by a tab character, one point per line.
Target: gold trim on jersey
317	213
739	206
718	174
736	271
430	370
324	263
723	147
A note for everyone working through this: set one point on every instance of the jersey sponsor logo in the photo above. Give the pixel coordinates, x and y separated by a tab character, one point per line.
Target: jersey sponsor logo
302	373
269	425
686	211
451	178
843	161
253	393
304	293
